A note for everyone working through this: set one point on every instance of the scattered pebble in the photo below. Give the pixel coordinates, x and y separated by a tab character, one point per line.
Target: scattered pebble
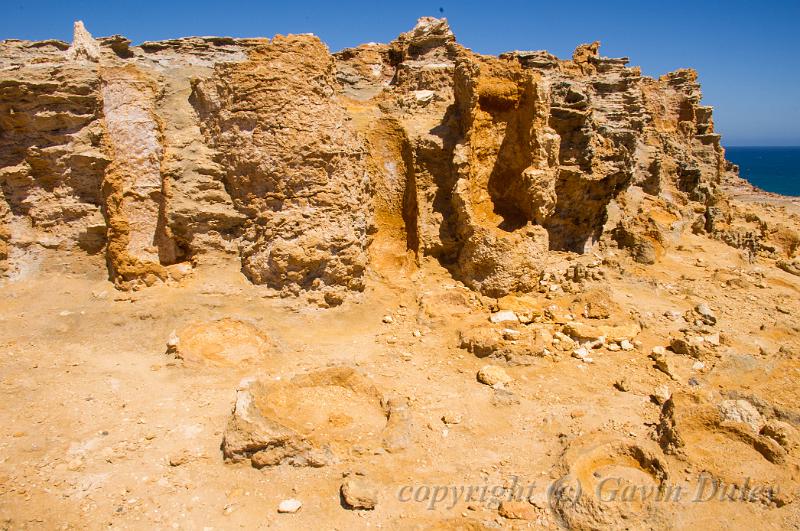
290	506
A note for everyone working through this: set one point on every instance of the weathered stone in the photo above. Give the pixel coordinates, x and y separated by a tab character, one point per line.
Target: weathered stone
480	341
792	266
504	316
526	308
741	411
359	494
705	313
493	375
586	332
664	363
517	510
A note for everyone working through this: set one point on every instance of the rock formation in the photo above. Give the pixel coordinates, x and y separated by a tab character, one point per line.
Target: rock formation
294	161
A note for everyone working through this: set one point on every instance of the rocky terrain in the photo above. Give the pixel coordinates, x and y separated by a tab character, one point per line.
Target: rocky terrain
253	283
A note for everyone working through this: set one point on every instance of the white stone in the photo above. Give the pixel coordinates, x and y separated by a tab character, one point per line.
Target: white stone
580	353
504	316
424	96
626	345
289	506
173	340
712	339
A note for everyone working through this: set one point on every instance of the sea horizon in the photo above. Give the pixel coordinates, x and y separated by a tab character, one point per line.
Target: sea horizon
773	169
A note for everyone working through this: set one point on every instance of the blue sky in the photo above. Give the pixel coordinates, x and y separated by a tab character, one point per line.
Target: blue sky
746	52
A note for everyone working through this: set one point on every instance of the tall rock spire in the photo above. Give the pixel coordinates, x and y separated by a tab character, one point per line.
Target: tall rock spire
83	45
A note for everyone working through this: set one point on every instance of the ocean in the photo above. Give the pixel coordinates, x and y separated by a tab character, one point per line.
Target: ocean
774	169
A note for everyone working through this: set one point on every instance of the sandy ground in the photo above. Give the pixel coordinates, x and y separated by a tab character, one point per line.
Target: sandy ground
101	427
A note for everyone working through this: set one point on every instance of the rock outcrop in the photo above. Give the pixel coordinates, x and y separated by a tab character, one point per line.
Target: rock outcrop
294	161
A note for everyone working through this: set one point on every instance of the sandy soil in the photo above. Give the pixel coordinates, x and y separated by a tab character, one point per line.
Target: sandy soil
102	427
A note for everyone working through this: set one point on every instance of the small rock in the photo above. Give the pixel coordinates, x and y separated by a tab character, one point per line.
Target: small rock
388	319
181	458
452	418
359	494
690	346
424	96
706	315
741	411
792	267
779	431
664	364
479	341
515	510
662	394
504	316
173	342
289	506
712	339
698	366
623	385
626	345
597	343
179	271
659	350
581	353
493	375
539	500
613	347
503	397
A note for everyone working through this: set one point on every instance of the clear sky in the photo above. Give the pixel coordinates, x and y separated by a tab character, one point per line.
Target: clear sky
745	51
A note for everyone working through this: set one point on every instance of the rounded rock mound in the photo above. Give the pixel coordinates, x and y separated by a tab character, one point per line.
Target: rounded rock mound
313	419
222	343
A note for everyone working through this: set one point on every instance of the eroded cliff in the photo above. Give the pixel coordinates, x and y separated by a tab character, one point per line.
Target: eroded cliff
309	168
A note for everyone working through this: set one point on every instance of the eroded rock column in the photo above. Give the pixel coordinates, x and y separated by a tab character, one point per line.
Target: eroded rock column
137	239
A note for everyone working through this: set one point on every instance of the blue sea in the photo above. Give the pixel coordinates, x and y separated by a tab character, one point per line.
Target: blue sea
774	169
